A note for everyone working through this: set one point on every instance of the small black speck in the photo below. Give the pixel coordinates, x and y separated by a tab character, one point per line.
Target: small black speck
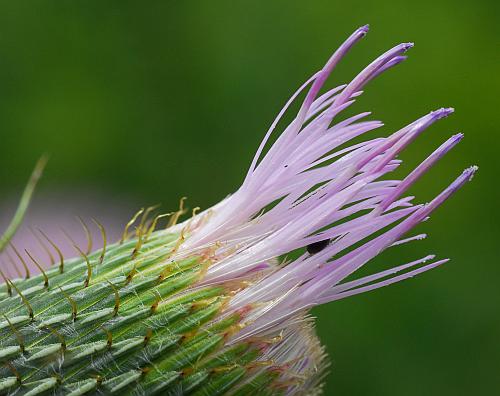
317	247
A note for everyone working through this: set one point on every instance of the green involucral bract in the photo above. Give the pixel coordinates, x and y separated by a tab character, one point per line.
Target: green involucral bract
133	322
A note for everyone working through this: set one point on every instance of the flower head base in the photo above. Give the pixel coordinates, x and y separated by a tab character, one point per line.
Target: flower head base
206	306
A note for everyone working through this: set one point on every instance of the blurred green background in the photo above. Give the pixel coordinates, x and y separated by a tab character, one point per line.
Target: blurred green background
147	101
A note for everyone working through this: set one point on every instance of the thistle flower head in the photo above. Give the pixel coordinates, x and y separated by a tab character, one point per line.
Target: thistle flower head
209	306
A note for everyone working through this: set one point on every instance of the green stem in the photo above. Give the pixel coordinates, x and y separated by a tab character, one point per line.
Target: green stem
23	203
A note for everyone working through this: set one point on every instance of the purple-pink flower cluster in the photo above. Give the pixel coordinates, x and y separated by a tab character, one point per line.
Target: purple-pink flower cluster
311	190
